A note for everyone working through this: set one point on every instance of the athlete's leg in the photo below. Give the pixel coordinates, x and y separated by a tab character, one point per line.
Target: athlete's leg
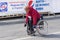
30	25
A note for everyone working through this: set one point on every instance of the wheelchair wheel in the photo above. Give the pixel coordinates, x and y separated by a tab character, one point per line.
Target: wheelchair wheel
42	27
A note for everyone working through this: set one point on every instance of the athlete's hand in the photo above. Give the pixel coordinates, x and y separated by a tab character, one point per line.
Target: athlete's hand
24	25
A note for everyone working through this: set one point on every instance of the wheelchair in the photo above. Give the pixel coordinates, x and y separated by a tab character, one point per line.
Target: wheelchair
41	27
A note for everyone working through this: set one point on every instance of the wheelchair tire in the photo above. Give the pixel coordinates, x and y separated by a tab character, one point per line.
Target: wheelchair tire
42	27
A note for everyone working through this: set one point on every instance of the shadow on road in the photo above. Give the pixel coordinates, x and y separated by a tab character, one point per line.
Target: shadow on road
49	36
52	36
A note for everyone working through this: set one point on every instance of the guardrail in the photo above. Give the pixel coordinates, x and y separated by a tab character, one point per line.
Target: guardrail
23	15
15	15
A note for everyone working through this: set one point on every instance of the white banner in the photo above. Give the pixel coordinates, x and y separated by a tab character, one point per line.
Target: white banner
13	5
41	5
55	6
17	6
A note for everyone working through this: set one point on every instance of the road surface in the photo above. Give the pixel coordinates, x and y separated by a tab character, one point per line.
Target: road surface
14	30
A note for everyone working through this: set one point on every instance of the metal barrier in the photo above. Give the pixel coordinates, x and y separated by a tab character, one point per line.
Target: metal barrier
15	15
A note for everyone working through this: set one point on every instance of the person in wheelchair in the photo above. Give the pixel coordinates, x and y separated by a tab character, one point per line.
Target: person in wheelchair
35	17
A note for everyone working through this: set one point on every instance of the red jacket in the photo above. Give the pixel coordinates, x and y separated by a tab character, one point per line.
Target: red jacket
34	14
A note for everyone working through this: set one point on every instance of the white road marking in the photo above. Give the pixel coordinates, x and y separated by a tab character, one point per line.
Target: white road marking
54	33
23	38
33	37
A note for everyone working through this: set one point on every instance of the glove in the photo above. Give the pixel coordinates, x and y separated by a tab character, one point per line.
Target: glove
24	25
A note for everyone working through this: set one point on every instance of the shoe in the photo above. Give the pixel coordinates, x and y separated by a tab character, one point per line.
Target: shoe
33	34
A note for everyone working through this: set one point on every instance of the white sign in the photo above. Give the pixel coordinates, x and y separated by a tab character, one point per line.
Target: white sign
10	7
17	6
13	6
42	5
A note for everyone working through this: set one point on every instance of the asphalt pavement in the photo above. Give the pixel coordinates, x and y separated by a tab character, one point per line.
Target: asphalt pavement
14	29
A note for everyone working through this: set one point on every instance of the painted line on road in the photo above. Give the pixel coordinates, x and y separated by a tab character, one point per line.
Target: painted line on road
54	33
23	38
